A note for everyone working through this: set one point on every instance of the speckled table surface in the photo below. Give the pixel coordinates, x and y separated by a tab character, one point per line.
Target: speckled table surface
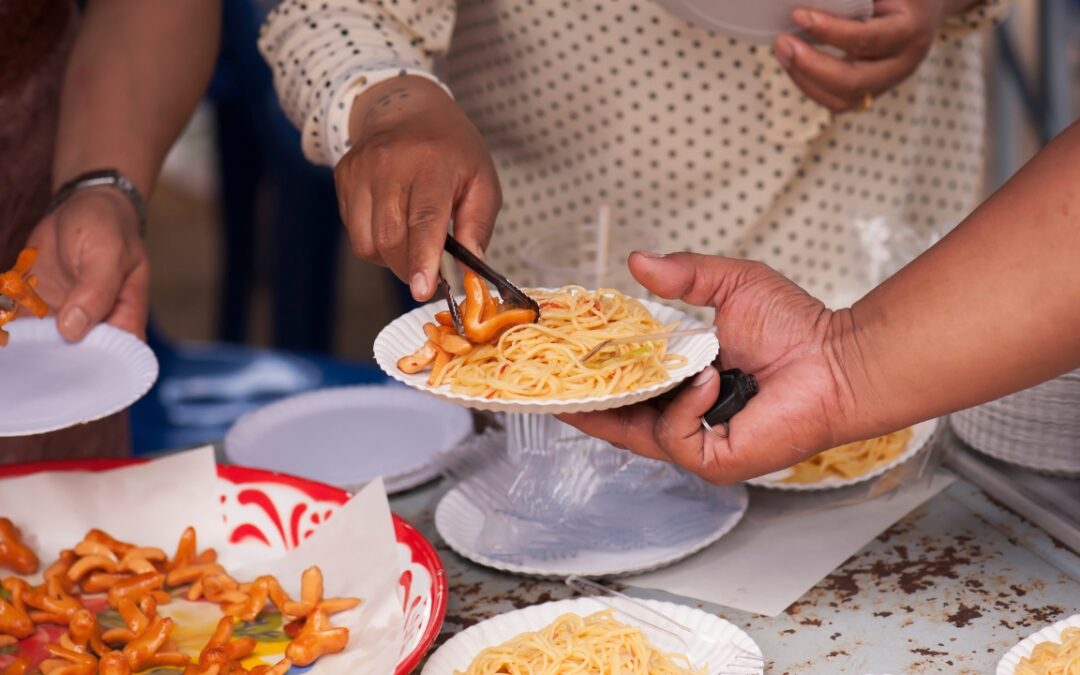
948	589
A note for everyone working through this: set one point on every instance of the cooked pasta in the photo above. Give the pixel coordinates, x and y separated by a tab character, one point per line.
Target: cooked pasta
1054	658
593	645
851	460
542	360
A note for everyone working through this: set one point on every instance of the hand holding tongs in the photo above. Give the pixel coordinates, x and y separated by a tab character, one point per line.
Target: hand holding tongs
510	294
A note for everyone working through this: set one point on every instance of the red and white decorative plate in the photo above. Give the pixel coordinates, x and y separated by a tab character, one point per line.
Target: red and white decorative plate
281	511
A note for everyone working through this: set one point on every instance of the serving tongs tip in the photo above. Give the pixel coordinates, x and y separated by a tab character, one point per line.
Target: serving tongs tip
510	294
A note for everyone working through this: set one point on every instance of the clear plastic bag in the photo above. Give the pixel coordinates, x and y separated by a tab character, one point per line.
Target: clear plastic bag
569	492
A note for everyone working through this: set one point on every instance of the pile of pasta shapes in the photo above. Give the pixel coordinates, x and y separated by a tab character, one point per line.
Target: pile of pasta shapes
484	320
18	285
136	580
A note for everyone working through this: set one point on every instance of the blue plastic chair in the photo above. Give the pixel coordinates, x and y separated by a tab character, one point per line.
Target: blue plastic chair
204	388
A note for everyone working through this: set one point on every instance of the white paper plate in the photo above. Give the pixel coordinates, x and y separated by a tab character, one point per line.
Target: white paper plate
50	384
1007	664
760	21
406	333
922	433
715	651
348	436
459	522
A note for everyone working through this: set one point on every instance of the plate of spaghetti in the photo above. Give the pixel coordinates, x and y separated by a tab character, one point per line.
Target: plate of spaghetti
1054	650
583	637
509	360
851	463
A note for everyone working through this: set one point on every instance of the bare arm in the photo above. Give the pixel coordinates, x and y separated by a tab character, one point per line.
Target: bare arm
136	72
135	75
992	308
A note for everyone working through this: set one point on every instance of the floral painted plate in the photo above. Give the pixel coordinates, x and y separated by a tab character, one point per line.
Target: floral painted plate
281	511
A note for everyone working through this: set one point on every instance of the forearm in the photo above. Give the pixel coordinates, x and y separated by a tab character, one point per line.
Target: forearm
391	100
364	44
991	309
136	72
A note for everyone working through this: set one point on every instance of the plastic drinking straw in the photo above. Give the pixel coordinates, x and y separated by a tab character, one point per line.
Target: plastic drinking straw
603	231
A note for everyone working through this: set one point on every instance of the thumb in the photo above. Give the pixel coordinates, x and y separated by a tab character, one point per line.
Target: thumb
700	280
474	218
97	283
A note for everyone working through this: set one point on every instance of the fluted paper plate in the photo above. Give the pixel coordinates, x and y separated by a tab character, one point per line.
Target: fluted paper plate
1007	664
347	436
921	435
50	384
715	644
406	334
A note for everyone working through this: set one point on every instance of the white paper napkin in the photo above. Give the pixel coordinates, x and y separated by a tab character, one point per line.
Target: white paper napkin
784	546
151	504
148	503
356	550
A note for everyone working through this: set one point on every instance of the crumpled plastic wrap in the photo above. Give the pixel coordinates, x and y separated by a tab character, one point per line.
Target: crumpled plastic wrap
573	492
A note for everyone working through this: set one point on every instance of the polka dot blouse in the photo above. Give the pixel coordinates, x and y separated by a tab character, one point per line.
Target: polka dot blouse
698	142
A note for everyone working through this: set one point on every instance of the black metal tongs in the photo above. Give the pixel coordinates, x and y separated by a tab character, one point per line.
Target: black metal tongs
510	294
736	387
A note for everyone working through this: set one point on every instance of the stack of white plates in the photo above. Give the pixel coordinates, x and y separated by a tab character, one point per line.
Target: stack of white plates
1038	428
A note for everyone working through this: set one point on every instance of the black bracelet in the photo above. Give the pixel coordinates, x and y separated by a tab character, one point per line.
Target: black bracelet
103	178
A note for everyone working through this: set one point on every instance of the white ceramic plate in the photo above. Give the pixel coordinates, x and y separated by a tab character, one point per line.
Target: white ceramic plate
716	645
760	21
460	522
350	435
52	384
922	433
1007	664
406	333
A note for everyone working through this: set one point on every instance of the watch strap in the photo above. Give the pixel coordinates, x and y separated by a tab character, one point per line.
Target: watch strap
103	178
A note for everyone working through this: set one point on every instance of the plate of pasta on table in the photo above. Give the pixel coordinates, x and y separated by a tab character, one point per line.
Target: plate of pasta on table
510	360
851	463
586	637
1054	650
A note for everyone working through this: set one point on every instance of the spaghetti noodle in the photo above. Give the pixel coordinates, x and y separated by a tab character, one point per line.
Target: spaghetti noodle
851	460
1054	658
593	645
542	360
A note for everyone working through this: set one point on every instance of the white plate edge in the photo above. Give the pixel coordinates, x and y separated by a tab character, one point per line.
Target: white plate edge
457	546
927	427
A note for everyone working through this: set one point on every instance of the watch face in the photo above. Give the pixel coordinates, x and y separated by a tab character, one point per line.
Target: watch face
103	178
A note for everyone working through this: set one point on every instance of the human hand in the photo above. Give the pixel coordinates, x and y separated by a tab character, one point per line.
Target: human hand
416	163
769	327
881	51
92	265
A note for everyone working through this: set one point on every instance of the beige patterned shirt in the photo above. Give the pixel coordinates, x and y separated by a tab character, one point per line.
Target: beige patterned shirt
700	141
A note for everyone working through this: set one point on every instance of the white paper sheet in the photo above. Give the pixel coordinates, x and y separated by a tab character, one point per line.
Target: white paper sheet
356	550
784	546
150	503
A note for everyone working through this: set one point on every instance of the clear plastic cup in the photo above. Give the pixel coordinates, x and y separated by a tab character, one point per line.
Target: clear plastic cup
567	257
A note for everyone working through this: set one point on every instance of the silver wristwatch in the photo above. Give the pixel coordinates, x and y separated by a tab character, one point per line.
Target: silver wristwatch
103	178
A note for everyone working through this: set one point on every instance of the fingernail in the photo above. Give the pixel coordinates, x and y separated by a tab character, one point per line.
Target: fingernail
652	254
804	18
420	287
785	52
75	322
704	377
